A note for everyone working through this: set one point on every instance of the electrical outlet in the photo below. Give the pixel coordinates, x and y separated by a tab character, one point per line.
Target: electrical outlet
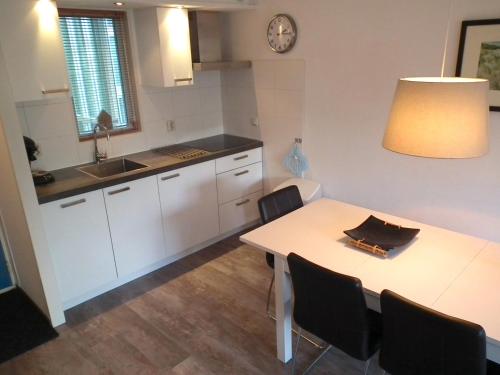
170	125
254	121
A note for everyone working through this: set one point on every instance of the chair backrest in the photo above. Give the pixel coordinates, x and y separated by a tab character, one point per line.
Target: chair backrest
279	203
331	305
419	340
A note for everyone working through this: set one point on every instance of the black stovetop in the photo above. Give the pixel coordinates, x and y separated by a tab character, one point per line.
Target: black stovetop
218	143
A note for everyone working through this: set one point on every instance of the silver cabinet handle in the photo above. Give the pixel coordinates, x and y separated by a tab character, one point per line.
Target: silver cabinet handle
240	173
243	202
240	157
119	190
183	79
74	203
55	91
170	177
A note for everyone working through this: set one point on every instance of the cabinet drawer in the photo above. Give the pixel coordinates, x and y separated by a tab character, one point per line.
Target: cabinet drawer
239	212
239	182
239	160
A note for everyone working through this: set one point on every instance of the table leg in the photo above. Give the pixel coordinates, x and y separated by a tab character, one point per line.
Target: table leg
283	301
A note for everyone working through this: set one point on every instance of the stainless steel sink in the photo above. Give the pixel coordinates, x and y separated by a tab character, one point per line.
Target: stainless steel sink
111	168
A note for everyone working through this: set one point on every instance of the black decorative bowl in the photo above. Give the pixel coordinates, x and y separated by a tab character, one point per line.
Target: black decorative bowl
378	233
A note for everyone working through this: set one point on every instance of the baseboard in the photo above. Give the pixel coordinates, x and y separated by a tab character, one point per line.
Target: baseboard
164	262
4	290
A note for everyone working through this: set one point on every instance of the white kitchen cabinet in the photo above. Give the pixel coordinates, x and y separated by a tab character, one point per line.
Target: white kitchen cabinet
239	182
239	187
135	224
105	238
188	199
80	244
239	212
32	49
164	46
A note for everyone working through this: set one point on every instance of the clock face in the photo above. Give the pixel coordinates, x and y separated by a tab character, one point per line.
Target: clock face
281	33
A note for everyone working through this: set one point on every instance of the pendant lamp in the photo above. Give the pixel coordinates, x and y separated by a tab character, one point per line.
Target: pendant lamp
439	117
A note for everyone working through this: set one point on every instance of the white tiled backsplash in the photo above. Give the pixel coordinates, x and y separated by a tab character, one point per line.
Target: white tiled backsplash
271	94
274	92
196	110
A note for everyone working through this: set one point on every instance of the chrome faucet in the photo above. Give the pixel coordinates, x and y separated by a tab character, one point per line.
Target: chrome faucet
99	156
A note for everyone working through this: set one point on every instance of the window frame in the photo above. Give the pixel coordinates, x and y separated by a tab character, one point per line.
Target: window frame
135	126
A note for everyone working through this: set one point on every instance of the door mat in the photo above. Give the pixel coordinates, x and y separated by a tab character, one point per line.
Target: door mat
22	325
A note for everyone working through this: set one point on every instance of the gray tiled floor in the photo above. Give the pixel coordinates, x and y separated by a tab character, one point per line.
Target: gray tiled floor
202	315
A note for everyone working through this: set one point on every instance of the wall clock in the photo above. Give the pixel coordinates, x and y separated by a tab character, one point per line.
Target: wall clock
281	33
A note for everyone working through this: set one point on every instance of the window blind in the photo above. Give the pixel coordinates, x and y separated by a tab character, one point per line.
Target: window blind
96	52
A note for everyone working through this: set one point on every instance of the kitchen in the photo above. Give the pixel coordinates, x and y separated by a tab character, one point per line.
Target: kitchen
313	92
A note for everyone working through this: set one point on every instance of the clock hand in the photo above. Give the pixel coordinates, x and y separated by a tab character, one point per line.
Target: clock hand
284	32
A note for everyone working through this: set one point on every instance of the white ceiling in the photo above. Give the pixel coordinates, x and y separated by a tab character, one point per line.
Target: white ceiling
128	4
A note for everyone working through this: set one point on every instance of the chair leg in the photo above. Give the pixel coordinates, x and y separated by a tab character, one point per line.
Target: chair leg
299	335
273	317
317	359
269	298
311	341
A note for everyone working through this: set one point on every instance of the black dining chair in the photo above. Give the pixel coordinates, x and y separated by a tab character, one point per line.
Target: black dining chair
332	306
272	207
418	340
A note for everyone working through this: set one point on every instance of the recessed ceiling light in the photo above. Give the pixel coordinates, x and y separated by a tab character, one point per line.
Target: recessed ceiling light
118	4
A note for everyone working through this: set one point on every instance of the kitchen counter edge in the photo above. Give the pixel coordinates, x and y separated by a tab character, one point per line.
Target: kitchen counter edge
96	184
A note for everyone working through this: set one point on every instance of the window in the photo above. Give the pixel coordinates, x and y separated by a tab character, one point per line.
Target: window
100	69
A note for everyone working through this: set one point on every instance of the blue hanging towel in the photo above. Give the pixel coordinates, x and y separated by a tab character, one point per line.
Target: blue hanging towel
296	162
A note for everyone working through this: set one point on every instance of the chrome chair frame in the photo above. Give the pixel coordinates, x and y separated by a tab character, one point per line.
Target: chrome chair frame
318	358
273	317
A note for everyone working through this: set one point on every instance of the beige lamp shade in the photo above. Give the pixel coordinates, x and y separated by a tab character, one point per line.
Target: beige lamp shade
439	118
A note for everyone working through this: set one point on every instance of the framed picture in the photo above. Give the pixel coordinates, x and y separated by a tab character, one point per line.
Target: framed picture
479	55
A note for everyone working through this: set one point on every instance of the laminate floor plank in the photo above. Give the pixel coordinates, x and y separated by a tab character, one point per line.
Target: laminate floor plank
59	356
190	366
207	318
204	314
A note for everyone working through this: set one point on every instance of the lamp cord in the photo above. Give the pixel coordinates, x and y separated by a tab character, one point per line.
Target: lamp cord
450	10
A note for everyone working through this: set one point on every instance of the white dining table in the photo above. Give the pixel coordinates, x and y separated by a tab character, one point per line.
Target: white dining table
447	271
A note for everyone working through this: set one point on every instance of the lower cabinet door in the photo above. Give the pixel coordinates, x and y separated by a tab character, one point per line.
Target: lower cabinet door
189	206
79	243
239	212
135	223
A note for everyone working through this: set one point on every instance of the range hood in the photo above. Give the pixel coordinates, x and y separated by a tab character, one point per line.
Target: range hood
206	43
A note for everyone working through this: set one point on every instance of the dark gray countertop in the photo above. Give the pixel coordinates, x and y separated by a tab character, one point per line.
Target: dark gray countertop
70	181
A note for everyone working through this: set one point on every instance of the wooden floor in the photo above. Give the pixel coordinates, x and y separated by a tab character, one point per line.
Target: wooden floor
204	314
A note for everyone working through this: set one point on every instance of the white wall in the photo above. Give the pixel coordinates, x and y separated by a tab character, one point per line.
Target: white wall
20	211
354	52
196	110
